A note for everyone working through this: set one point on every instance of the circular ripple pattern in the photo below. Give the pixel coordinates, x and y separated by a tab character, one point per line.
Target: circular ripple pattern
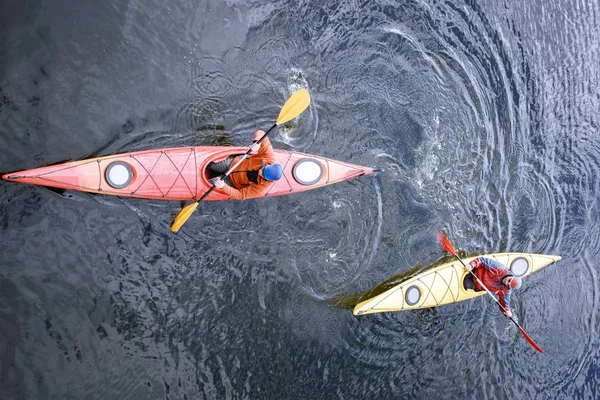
482	117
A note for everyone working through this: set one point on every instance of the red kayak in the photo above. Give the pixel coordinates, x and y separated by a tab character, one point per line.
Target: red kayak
181	173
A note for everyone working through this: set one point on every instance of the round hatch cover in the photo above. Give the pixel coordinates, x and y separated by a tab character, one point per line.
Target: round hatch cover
118	174
519	266
413	295
307	171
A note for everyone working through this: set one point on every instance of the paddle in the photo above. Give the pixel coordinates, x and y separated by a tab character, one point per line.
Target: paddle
293	107
447	246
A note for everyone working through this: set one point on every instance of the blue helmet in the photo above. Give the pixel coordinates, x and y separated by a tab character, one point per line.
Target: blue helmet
273	172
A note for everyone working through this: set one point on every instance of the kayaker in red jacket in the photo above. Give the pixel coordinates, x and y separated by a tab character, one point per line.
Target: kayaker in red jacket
496	278
254	176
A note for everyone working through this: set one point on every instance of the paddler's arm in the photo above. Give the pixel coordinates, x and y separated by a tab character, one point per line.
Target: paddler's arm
250	191
504	299
266	149
492	265
259	134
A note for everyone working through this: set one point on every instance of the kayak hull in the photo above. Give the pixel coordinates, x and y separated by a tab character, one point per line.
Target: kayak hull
180	173
443	284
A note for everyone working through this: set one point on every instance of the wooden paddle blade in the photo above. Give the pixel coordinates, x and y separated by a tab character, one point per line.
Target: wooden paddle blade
445	243
295	105
531	342
183	216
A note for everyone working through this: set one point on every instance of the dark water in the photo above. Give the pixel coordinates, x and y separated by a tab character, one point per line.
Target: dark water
483	115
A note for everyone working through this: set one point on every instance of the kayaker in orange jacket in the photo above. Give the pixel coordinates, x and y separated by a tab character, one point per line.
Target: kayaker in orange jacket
254	176
496	278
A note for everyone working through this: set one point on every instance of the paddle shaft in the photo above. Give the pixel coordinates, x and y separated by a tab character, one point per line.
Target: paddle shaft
237	163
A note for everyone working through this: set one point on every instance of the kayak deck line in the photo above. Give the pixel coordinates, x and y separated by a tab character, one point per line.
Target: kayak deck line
181	173
444	284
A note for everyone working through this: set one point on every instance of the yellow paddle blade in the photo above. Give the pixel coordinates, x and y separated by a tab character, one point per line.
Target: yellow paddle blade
297	103
183	216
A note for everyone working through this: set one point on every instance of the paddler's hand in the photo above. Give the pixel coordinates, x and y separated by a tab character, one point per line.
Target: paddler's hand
218	182
470	266
508	313
254	148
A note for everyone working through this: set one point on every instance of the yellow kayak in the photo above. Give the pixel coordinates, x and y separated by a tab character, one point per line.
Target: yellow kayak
443	284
